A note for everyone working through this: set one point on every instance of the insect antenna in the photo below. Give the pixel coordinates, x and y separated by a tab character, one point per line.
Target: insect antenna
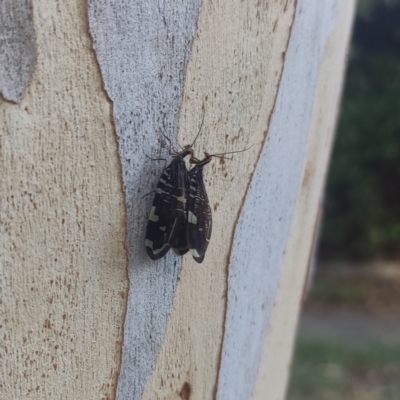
155	159
221	155
208	157
169	141
198	133
153	191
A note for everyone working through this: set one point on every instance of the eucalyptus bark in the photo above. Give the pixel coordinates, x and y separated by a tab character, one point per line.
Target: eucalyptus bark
87	91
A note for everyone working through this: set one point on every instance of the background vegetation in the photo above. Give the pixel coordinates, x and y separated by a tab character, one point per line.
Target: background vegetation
348	345
362	206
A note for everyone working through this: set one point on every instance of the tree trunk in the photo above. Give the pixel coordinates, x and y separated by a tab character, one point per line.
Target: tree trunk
88	91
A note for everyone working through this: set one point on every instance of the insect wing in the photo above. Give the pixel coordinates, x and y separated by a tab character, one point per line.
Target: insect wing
180	245
199	218
167	214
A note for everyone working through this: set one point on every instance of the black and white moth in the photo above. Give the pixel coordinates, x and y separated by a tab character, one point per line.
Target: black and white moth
166	226
180	216
167	219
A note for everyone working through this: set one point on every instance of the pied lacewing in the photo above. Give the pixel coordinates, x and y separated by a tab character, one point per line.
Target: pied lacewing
167	221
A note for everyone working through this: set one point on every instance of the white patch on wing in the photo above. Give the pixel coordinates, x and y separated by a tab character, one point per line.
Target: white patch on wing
192	219
163	228
149	243
160	191
153	217
194	253
181	198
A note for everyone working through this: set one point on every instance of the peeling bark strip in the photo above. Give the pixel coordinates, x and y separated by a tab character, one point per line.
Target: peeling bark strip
263	228
143	48
17	48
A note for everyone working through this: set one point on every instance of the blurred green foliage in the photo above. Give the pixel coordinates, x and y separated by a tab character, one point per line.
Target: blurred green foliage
327	370
365	8
362	206
336	293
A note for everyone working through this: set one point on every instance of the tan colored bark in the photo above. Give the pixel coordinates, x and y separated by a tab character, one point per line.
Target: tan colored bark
63	258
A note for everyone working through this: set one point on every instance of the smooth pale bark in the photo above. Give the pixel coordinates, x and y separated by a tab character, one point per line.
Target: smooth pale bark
73	216
63	278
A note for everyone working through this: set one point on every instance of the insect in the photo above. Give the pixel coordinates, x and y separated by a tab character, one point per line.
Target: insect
168	215
199	217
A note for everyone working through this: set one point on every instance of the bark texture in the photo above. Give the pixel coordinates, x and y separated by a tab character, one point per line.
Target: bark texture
62	218
18	51
109	78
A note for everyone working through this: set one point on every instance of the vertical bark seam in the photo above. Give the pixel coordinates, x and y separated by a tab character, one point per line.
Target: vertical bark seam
109	100
242	204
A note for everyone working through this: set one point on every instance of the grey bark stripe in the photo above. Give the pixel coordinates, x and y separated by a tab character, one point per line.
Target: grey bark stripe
143	47
18	49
